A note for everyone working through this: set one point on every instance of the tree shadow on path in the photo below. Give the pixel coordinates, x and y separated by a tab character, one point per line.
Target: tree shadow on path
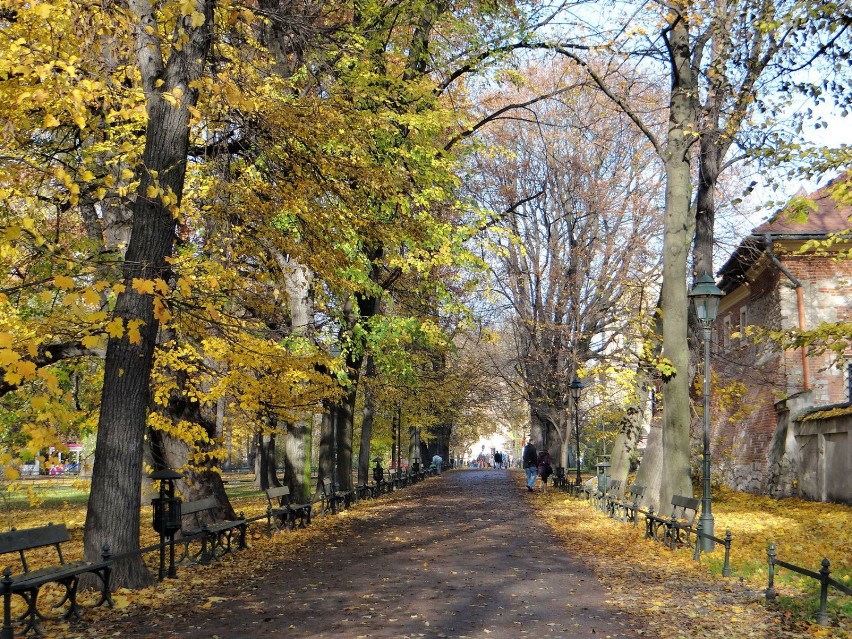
460	555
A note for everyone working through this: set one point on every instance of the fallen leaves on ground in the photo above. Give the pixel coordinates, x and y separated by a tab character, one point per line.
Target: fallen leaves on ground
681	597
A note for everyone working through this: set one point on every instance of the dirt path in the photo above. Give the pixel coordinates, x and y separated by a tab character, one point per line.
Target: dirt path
455	556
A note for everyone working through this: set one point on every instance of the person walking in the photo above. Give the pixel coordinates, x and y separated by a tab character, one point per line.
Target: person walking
530	459
545	470
498	460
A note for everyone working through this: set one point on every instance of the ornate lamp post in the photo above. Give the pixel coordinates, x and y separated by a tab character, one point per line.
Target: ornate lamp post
705	297
378	476
576	387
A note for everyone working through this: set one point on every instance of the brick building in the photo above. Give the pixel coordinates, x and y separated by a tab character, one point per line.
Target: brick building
772	432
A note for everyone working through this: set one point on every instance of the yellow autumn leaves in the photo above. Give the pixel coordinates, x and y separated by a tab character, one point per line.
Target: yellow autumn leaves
674	591
20	346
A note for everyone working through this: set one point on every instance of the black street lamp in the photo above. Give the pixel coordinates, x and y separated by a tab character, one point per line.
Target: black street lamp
378	476
576	387
705	297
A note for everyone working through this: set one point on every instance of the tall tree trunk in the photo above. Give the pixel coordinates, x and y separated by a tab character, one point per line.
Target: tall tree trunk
414	444
651	468
326	444
113	513
297	456
345	417
709	166
630	432
367	423
298	282
678	235
265	471
359	309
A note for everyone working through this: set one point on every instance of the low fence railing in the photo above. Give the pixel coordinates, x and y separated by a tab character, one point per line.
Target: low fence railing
822	576
726	542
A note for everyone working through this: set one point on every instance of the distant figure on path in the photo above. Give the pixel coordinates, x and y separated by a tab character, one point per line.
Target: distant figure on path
530	458
545	470
498	459
437	460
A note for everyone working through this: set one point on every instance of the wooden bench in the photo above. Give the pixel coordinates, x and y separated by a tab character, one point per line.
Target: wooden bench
604	499
677	528
334	500
215	538
282	513
28	582
628	507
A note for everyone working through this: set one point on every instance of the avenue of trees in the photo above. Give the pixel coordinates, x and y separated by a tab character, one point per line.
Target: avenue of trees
377	216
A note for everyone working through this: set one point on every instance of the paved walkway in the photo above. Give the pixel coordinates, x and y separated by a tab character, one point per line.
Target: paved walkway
455	556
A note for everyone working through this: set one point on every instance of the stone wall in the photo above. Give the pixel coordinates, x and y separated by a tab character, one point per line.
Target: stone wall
825	459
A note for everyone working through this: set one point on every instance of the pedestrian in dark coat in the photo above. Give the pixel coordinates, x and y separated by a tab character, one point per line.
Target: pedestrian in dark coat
545	470
530	459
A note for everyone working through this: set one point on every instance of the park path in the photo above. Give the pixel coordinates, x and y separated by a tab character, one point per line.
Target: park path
460	555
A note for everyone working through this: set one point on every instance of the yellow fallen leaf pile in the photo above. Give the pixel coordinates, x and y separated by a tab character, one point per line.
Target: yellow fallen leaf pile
680	597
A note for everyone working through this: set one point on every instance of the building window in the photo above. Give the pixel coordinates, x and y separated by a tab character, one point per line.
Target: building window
743	321
849	382
726	333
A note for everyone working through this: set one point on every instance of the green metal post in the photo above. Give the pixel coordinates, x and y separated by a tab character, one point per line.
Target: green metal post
824	572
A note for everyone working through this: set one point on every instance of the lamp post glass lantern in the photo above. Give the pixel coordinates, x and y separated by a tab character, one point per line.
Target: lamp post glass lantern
705	297
576	387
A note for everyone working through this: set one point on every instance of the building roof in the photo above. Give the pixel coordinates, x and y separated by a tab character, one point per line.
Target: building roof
824	216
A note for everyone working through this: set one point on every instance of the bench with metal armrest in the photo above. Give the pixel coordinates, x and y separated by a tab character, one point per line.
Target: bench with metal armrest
628	508
215	537
677	528
334	500
28	582
282	513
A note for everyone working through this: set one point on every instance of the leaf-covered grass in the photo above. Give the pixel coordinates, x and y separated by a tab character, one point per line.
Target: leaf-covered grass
677	592
804	532
35	502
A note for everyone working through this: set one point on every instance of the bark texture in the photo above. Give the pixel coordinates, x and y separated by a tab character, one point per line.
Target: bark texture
113	513
679	232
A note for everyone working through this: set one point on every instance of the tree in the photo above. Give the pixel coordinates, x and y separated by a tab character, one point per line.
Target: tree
715	55
572	239
169	76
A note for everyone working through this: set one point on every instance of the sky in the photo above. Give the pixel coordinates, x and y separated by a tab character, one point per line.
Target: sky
838	132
